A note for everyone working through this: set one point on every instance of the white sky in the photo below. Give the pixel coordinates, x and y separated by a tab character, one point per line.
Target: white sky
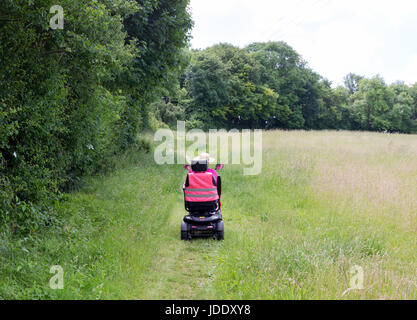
367	37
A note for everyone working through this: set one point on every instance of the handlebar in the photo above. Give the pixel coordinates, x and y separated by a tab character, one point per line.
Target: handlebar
218	167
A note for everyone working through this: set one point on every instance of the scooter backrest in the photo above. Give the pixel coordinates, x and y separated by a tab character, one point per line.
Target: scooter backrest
199	165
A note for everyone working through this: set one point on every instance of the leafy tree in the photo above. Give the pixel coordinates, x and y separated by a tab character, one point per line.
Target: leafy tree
226	81
159	30
400	116
208	81
287	74
352	82
372	103
310	96
168	113
333	104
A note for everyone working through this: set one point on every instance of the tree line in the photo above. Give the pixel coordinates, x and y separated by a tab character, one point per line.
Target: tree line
71	98
269	86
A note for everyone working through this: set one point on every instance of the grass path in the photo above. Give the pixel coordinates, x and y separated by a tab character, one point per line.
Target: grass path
183	270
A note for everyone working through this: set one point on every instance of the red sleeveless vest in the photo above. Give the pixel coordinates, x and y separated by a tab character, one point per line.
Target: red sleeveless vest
201	188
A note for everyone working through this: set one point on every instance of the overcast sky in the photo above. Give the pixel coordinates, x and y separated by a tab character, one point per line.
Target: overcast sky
367	37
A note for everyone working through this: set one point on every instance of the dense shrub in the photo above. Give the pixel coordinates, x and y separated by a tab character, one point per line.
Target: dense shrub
72	98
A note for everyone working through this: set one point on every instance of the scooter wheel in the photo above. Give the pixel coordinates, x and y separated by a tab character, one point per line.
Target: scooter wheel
220	231
184	231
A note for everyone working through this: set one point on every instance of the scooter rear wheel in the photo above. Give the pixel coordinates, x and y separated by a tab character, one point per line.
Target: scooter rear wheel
220	231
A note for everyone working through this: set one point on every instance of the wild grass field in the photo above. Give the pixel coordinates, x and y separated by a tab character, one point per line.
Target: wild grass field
324	202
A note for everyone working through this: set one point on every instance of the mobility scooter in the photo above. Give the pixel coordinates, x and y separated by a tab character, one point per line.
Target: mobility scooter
202	192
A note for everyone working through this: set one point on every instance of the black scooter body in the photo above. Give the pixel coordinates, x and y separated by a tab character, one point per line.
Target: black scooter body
198	225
